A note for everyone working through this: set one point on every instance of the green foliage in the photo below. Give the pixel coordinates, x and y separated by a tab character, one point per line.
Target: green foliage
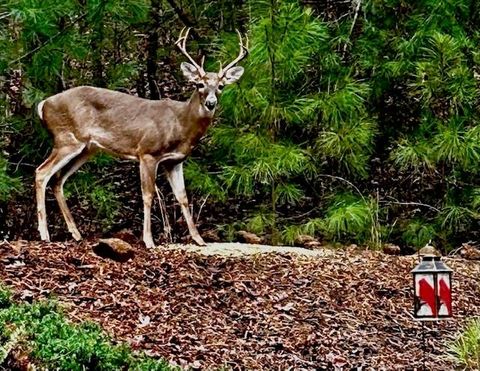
229	231
100	197
465	349
55	343
412	155
8	184
455	145
313	227
199	180
5	297
456	218
350	145
418	232
291	233
475	199
348	216
261	222
104	200
268	101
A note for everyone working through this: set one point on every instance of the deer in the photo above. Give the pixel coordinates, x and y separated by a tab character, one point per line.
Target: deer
85	120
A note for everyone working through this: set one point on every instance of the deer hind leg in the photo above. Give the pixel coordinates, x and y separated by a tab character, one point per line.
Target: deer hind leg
175	178
63	175
148	173
56	161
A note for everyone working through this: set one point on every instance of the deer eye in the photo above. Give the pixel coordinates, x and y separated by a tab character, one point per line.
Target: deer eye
200	85
220	87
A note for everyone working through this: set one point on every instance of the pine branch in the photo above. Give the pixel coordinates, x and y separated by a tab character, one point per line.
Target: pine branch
51	39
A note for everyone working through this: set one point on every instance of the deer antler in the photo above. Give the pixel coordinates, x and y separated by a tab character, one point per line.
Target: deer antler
241	55
181	43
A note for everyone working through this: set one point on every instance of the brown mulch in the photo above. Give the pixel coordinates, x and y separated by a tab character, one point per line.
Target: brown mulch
271	311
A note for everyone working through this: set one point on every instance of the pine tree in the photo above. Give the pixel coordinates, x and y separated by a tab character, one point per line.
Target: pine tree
257	137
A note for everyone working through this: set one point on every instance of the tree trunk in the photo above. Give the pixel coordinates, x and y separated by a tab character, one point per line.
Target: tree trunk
152	46
96	44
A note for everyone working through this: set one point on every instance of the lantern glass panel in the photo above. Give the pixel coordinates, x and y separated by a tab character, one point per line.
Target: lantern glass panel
425	298
444	295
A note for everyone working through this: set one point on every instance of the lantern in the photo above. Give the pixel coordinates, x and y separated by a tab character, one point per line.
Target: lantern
432	281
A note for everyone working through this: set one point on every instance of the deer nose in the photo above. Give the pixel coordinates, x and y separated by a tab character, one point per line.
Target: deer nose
210	104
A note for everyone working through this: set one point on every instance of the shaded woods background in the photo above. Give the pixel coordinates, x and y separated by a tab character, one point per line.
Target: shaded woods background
355	121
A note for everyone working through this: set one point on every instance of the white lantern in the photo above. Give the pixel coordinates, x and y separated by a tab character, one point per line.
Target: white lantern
432	281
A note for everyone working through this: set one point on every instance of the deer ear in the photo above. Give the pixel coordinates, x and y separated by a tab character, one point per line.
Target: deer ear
233	75
190	71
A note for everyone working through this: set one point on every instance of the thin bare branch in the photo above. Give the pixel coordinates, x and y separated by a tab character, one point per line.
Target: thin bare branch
411	204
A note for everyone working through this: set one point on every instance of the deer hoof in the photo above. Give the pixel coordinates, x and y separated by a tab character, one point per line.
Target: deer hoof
76	235
149	244
44	236
199	241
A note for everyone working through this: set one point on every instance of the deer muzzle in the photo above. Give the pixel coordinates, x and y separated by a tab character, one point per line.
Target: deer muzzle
210	103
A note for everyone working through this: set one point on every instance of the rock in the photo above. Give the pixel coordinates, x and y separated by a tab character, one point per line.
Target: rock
391	249
211	235
314	244
249	237
307	242
469	252
127	236
302	239
115	249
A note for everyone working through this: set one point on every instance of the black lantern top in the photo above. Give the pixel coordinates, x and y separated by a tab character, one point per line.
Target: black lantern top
431	264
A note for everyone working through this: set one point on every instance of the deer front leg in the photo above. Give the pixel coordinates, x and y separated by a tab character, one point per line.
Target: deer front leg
175	178
55	162
148	170
63	175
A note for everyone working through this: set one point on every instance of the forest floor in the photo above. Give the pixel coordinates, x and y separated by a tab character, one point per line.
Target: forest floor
324	309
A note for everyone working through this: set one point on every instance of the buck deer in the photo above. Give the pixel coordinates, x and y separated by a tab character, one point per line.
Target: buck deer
84	120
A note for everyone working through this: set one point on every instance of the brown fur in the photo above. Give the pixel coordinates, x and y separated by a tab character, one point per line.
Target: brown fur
85	119
124	125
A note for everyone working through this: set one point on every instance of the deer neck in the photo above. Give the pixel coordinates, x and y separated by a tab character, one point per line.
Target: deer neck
197	118
196	109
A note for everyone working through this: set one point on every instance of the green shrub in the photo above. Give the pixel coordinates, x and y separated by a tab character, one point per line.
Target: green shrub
56	343
465	350
5	298
418	232
313	227
348	215
8	184
198	179
103	198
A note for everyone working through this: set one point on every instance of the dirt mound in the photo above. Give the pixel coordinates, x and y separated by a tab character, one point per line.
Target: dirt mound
265	311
